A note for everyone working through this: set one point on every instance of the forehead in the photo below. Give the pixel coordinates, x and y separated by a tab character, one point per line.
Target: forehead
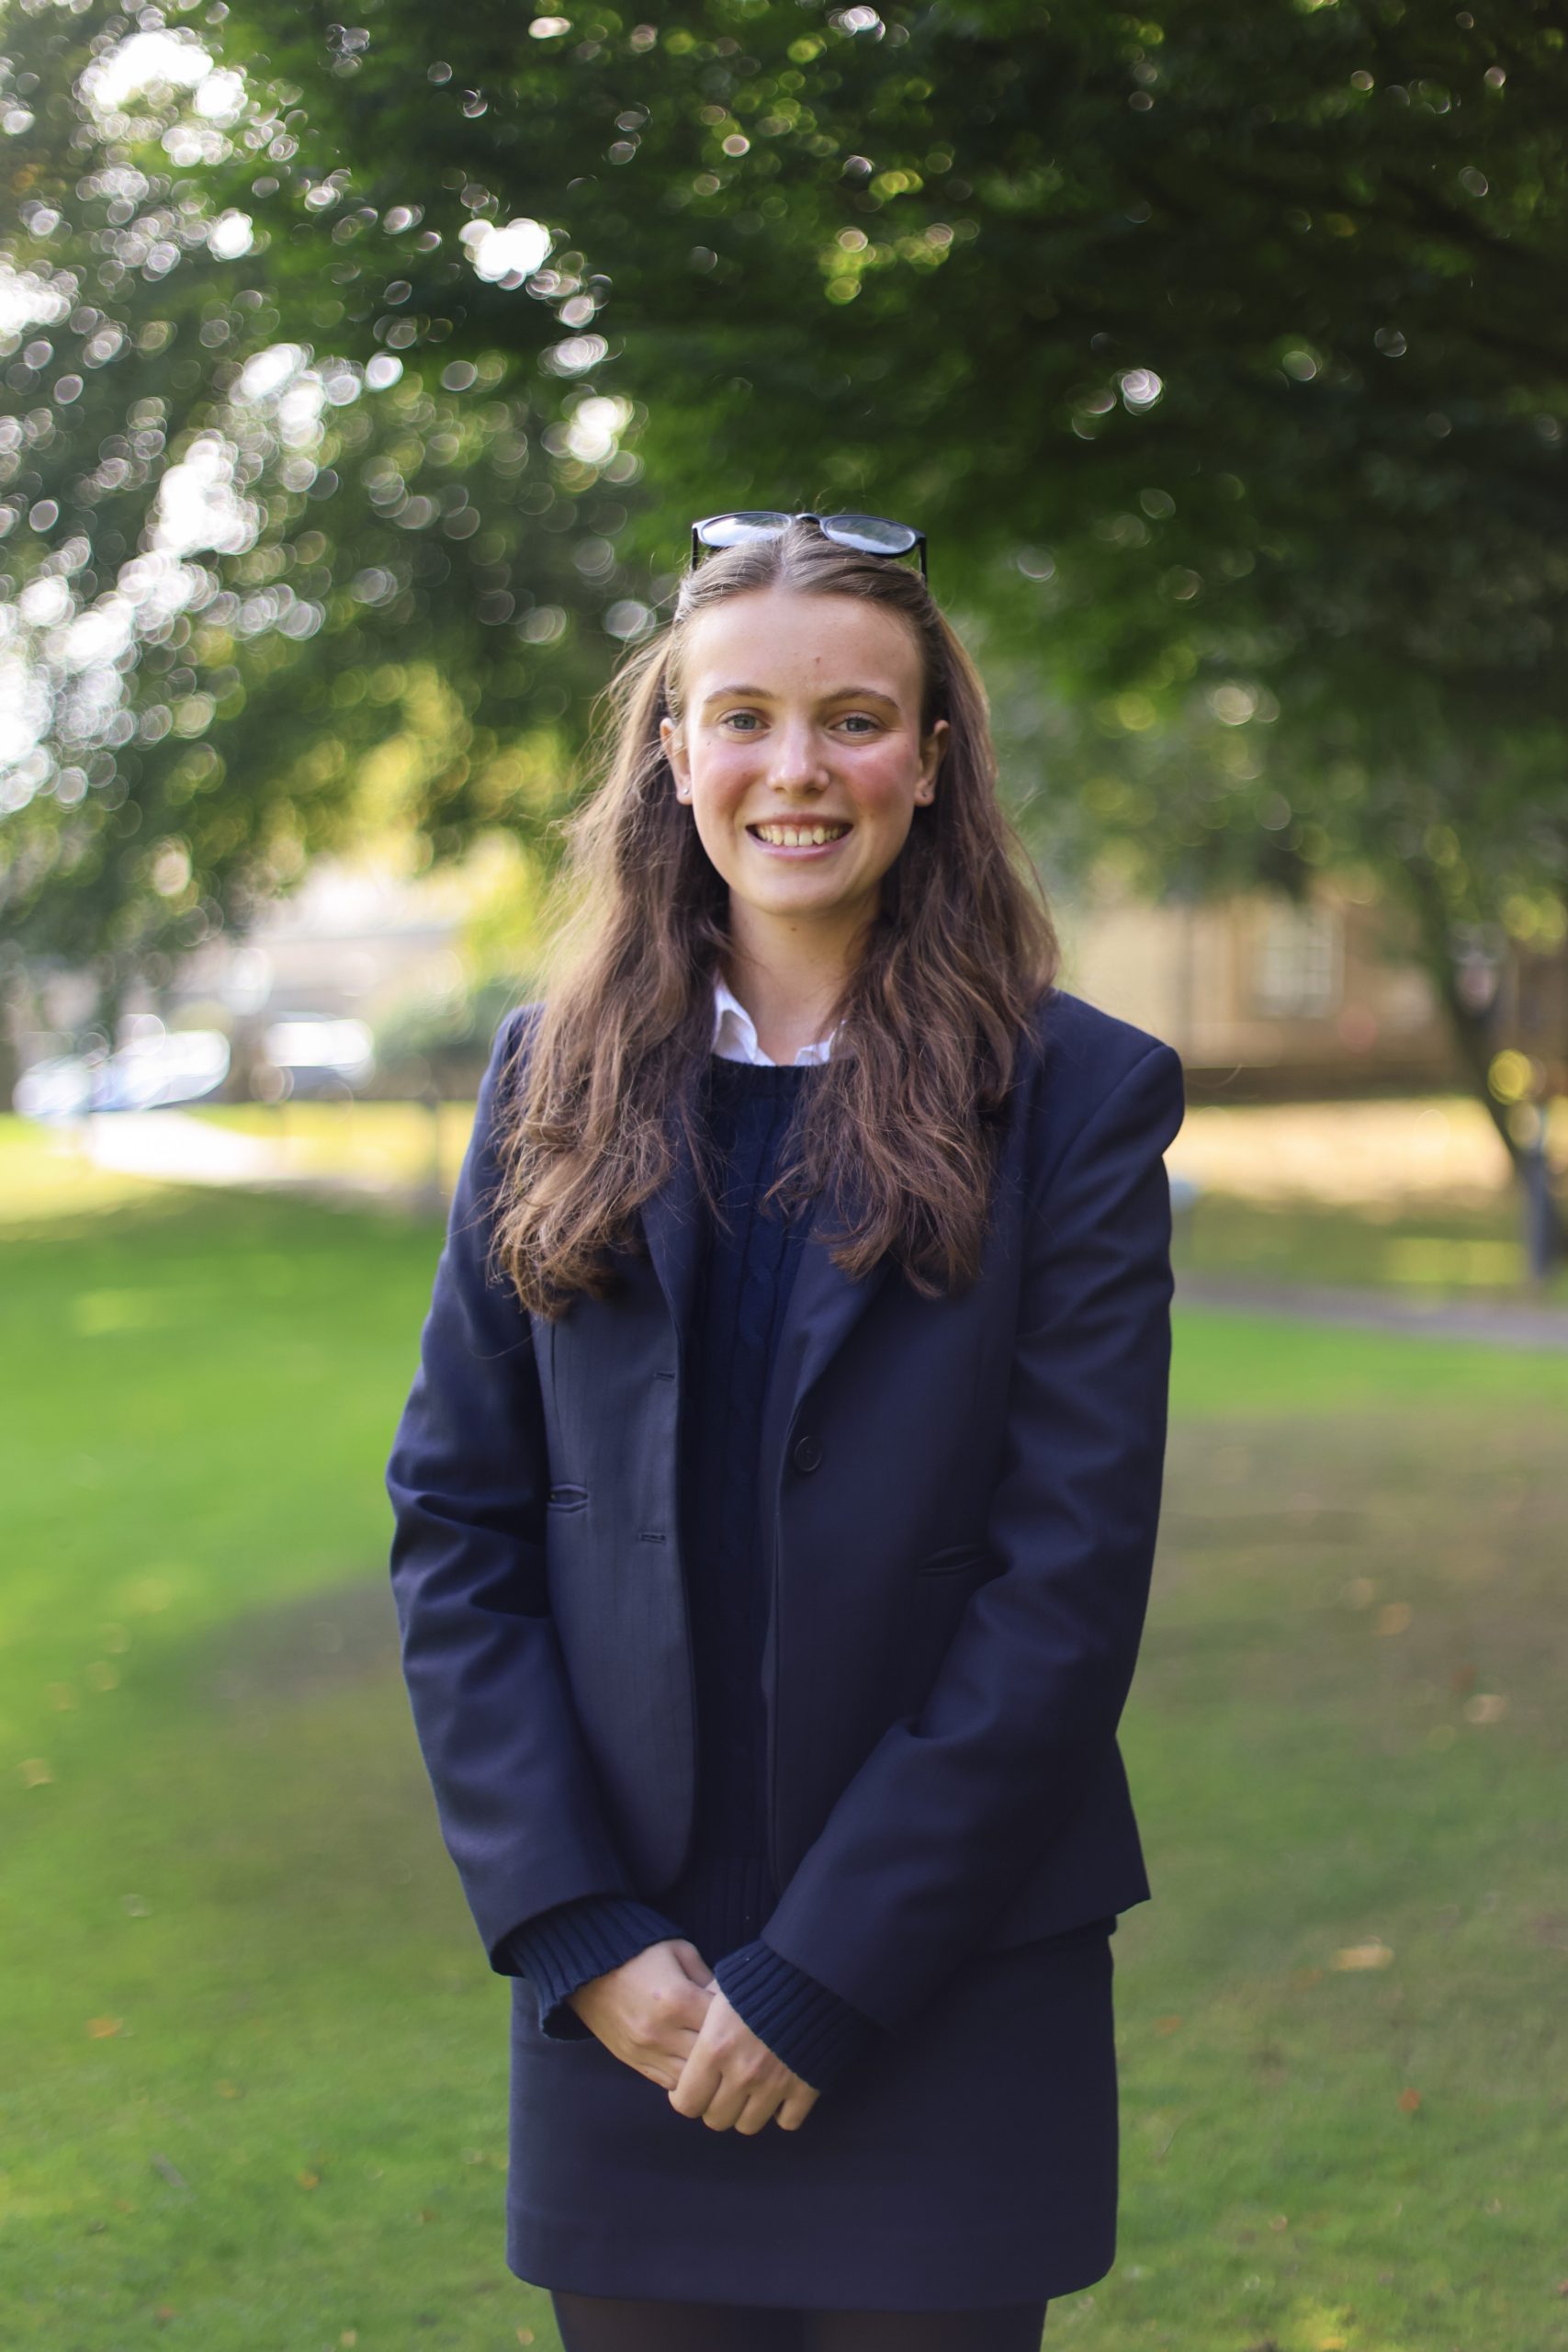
781	639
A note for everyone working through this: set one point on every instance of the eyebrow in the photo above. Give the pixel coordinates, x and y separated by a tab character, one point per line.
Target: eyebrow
836	694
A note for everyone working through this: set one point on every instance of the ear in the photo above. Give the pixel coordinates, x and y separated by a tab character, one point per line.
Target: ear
674	749
931	749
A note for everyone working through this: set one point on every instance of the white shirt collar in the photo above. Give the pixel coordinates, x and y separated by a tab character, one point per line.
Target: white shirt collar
735	1032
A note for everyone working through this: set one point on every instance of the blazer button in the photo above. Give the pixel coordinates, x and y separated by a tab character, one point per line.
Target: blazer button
808	1453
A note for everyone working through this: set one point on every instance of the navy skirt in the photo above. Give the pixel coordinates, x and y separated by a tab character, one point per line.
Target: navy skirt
971	2159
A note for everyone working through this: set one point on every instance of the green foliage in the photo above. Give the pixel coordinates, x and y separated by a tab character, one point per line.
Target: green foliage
1220	353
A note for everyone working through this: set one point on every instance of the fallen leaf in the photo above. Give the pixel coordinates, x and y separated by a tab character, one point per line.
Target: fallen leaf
1486	1707
35	1773
1394	1616
1166	2025
101	2028
309	2179
230	2090
1409	2101
1374	1954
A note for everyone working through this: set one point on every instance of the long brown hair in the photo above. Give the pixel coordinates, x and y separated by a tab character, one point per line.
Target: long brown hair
958	957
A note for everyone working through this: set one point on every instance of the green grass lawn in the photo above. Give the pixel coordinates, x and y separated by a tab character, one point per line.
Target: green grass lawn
253	2088
1427	1252
1422	1250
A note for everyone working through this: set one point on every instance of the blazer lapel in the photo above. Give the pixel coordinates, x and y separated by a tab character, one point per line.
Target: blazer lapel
671	1221
823	1307
824	1304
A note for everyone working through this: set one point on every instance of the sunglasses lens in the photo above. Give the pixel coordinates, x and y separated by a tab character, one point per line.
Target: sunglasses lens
873	534
729	530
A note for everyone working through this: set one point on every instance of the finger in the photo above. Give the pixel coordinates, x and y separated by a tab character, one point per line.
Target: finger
699	2079
692	1963
760	2108
664	2071
747	2098
793	2109
667	2050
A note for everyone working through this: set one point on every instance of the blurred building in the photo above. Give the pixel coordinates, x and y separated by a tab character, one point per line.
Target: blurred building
1266	1000
353	940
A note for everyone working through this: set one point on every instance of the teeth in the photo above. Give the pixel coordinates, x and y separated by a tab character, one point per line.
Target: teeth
798	836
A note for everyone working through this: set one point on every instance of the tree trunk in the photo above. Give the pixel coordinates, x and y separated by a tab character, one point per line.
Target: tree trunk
1471	1035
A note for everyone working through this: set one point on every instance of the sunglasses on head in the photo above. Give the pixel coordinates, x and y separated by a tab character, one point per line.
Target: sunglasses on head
867	534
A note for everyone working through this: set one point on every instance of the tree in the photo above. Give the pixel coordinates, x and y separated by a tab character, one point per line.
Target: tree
1220	353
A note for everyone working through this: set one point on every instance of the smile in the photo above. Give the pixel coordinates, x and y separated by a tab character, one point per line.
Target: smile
799	836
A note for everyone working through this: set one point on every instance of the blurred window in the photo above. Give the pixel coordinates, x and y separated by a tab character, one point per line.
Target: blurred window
1298	963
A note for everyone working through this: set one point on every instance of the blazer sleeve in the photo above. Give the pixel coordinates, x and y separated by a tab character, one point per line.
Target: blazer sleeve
520	1809
951	1808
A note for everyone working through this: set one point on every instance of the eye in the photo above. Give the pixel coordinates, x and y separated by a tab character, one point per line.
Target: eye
860	718
730	717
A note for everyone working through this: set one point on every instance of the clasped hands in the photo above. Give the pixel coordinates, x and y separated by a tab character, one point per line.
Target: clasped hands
663	2012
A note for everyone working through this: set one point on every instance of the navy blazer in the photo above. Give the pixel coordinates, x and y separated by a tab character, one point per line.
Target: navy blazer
963	1494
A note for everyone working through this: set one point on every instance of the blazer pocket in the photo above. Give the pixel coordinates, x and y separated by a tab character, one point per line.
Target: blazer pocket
951	1560
566	1498
937	1596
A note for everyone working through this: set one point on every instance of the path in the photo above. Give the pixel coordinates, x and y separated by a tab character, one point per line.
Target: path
1503	1324
171	1147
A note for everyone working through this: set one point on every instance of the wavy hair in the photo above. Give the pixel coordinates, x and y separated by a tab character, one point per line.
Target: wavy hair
956	961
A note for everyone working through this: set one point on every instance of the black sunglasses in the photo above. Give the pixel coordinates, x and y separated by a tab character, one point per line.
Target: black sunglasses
867	534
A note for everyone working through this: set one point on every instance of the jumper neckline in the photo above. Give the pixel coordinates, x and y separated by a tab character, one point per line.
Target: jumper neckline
758	1078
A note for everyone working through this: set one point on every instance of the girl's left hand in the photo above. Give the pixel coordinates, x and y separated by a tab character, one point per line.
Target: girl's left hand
733	2080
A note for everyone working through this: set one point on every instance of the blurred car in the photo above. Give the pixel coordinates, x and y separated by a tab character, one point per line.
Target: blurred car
149	1074
318	1053
1185	1191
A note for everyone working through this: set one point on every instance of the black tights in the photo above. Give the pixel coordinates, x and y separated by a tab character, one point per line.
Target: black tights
608	2324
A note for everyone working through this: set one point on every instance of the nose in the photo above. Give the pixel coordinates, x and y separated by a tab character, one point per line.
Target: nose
798	762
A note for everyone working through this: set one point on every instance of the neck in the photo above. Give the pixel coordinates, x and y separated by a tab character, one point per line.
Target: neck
789	977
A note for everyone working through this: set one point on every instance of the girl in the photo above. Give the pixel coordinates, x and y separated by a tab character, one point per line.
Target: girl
776	1499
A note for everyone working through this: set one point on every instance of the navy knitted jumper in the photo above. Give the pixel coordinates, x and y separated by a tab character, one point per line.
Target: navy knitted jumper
747	1264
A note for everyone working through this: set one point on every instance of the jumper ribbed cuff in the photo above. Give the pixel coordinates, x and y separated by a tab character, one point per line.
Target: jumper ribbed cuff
815	2031
561	1947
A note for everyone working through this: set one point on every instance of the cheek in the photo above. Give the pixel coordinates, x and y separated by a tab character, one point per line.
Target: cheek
722	772
884	789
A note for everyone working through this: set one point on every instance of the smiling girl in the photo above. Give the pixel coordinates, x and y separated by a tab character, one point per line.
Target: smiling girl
776	1501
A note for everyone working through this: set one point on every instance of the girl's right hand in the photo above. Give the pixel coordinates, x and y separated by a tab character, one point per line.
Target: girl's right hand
650	2012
